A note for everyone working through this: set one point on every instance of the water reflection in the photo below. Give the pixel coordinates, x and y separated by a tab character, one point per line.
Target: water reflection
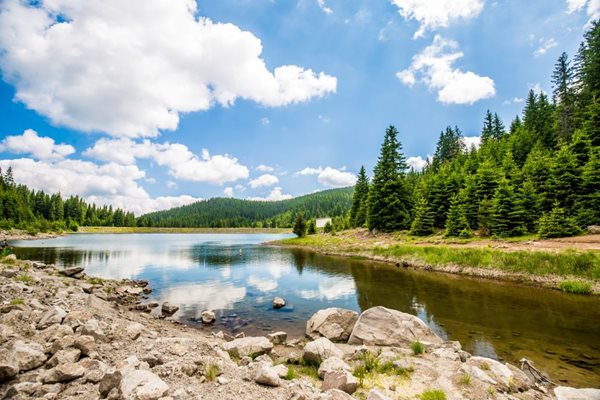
237	278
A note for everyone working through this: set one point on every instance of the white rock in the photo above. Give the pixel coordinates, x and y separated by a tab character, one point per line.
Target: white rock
335	394
320	350
382	326
248	346
569	393
332	364
208	317
92	328
281	370
277	337
278	302
267	375
341	380
54	315
142	385
333	323
27	355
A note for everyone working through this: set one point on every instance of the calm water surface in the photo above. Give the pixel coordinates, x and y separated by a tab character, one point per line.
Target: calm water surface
236	277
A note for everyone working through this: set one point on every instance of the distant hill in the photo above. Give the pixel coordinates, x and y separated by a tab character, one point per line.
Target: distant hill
225	212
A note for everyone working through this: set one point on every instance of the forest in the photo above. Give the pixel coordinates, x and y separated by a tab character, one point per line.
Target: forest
236	213
540	174
36	211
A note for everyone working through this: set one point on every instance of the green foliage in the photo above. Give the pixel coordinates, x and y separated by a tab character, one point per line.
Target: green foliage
211	372
422	224
312	227
291	373
433	394
26	279
358	212
299	228
456	222
16	301
576	287
465	379
328	227
417	347
557	224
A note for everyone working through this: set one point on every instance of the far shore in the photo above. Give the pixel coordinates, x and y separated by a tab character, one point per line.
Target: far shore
126	229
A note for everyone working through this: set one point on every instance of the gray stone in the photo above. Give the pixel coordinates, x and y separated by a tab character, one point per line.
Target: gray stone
277	337
320	350
593	229
63	373
335	394
28	355
92	328
278	302
267	375
134	330
8	366
333	323
143	385
208	317
376	394
248	346
69	355
169	309
94	370
70	271
85	343
332	364
569	393
54	315
111	380
341	380
382	326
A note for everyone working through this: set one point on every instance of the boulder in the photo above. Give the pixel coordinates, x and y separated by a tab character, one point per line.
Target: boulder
332	364
341	380
92	328
70	271
8	366
248	346
54	315
376	394
69	355
111	380
208	317
321	349
63	373
169	309
493	372
278	303
593	229
277	337
569	393
94	370
134	330
382	326
333	323
267	375
335	394
143	385
27	355
85	343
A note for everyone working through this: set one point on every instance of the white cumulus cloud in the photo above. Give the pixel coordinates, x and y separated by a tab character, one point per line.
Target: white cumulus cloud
592	8
228	191
180	161
330	176
275	195
130	68
264	181
470	141
434	14
265	168
41	148
434	67
417	163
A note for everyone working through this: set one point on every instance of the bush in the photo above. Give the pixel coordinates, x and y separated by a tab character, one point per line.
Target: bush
557	224
328	228
576	287
433	395
299	226
417	348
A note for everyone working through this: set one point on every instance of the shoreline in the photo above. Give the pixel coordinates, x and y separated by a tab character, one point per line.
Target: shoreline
126	230
74	336
547	281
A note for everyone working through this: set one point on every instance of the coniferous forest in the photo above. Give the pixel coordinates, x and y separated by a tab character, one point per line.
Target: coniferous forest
539	174
36	211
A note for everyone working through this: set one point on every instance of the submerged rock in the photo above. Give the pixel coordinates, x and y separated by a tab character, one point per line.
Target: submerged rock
334	323
278	302
208	317
169	309
71	271
382	326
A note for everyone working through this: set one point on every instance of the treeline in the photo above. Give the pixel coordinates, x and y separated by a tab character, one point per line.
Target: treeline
36	211
236	213
540	174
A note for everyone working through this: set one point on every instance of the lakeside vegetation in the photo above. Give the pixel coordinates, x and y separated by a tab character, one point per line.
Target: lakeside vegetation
146	229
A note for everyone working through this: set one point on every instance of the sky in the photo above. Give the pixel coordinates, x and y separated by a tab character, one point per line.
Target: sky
151	104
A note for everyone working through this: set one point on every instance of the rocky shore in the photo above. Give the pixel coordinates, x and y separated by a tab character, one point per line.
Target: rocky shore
65	335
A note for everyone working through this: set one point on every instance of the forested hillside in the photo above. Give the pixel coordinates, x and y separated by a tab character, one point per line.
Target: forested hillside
225	212
36	211
541	173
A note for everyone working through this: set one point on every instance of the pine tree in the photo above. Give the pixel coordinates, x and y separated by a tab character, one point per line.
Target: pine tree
529	203
487	180
590	198
299	228
557	224
422	224
506	215
563	96
358	212
591	125
565	178
456	221
498	127
312	227
470	202
389	200
487	133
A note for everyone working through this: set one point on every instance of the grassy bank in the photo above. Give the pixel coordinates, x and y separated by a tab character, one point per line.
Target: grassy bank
570	269
113	229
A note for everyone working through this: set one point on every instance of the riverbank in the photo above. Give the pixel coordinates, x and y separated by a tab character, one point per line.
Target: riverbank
569	264
18	234
115	229
66	335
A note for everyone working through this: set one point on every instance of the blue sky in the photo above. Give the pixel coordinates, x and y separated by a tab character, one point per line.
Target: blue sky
148	105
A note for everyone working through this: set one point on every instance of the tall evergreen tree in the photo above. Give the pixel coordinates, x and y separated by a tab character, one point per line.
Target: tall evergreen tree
487	133
498	127
456	222
299	228
422	224
506	214
389	200
563	96
358	212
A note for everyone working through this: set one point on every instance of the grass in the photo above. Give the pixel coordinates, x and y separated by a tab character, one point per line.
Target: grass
417	348
16	301
95	281
307	368
465	379
576	287
370	367
291	373
484	366
211	372
435	394
26	279
125	229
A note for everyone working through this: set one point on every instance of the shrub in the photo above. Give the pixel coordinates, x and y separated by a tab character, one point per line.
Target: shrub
576	287
433	395
417	348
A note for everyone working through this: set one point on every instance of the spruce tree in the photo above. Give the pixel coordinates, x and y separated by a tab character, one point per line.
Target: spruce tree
312	227
358	212
565	177
557	224
590	197
498	127
563	96
470	202
422	224
529	202
299	228
487	133
456	222
389	199
506	215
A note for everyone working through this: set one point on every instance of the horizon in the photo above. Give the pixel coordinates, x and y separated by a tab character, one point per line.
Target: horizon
293	99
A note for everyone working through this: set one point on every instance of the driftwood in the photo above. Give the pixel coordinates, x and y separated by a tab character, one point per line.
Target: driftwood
535	374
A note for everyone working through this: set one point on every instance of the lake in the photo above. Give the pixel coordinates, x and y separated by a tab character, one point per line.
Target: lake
237	277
